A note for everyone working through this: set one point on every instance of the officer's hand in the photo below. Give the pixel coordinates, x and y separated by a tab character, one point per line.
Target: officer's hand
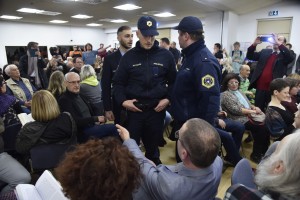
128	104
123	132
163	103
109	115
101	119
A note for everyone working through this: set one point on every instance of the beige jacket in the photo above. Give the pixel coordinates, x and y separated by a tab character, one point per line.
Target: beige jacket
17	90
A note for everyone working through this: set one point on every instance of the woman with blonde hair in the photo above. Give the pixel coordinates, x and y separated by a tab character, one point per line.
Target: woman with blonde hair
50	126
56	84
90	88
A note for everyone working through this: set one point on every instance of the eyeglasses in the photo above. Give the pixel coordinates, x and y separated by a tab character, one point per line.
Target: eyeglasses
3	82
74	82
233	83
182	144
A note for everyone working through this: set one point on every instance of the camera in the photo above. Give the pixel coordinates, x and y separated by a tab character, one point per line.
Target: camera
266	38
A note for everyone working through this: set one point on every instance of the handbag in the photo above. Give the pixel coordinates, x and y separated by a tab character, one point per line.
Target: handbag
257	119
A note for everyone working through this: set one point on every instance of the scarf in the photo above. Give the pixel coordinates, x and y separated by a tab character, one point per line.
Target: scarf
32	67
6	101
241	98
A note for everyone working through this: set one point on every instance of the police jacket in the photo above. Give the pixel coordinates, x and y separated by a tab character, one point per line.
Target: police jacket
196	91
144	75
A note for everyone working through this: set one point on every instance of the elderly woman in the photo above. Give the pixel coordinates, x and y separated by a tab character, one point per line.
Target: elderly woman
99	170
19	87
56	84
90	88
279	120
238	108
50	126
9	106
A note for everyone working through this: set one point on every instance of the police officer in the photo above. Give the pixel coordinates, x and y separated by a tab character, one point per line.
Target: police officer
142	84
196	91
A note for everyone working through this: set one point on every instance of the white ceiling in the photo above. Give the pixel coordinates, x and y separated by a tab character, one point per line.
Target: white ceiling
101	9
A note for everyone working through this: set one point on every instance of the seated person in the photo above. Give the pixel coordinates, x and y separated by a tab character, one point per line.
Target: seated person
291	103
196	177
12	172
238	108
231	142
50	125
19	87
277	176
10	106
56	84
279	120
87	122
244	85
110	171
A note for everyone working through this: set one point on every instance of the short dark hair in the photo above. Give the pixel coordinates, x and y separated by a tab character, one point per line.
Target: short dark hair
31	44
165	40
218	45
99	169
236	43
202	142
278	84
75	58
89	45
289	44
122	28
227	78
195	35
292	82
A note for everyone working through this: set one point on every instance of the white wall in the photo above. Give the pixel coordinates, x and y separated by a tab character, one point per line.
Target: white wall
230	30
19	34
212	29
247	27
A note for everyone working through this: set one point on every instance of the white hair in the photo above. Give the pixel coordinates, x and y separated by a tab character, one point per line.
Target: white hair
8	68
87	71
286	183
68	74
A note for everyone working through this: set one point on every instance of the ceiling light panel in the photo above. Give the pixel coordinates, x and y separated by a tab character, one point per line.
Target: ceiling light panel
118	21
94	24
10	17
164	14
30	10
127	7
58	21
80	16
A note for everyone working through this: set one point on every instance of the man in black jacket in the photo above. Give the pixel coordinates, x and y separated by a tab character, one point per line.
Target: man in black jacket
87	123
272	64
111	62
142	84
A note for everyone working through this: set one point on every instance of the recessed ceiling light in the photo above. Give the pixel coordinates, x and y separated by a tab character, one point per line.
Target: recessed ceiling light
82	16
94	24
30	10
10	17
58	21
118	21
127	7
164	14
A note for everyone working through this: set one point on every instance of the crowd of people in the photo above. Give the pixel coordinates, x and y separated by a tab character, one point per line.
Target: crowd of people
211	97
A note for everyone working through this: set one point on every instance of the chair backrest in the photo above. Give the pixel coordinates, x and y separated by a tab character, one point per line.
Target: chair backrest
48	156
243	174
10	136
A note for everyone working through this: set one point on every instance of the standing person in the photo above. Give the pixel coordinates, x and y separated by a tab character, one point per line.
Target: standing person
111	62
272	63
290	67
237	57
89	56
102	50
32	65
142	84
196	91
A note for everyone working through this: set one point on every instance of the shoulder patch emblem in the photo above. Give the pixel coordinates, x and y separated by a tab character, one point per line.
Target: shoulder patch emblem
208	81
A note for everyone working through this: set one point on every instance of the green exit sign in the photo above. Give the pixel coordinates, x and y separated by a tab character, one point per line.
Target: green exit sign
273	13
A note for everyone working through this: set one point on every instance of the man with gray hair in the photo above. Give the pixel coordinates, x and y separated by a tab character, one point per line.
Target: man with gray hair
277	176
196	177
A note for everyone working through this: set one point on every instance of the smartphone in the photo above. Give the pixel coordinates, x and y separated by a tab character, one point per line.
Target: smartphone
266	38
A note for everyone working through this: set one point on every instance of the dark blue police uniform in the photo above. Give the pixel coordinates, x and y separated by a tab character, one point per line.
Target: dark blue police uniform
148	76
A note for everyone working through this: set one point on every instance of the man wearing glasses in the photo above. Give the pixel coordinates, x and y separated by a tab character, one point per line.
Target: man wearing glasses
87	123
196	177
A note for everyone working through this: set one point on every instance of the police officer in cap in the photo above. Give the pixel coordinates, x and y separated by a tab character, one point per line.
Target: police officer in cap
196	91
142	85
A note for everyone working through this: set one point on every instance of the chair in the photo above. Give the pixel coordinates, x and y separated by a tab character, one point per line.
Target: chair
10	136
48	156
243	174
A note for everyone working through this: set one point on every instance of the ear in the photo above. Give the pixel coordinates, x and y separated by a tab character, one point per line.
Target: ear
278	167
275	92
